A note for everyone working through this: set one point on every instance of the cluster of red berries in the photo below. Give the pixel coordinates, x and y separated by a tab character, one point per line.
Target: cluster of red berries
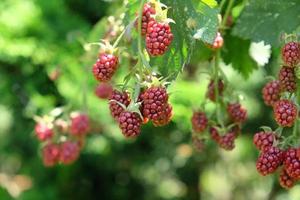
285	110
152	105
277	152
62	140
157	32
272	157
224	136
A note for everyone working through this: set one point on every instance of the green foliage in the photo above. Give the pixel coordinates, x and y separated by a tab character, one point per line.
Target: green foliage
267	20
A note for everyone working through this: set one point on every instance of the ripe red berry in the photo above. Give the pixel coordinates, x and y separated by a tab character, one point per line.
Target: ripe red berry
269	160
263	140
218	42
198	143
285	180
291	53
271	92
158	38
292	163
105	67
287	79
236	112
165	117
214	133
50	154
227	141
43	131
199	121
120	97
130	123
69	152
148	11
285	112
80	124
211	90
155	100
103	90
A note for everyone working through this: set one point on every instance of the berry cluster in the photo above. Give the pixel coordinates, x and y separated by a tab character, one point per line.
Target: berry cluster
156	29
276	150
62	140
152	105
222	132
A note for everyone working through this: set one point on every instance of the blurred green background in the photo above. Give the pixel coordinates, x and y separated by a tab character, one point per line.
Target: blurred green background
40	39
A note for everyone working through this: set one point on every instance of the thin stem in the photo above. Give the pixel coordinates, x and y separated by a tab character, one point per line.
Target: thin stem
140	28
227	12
222	4
119	38
216	84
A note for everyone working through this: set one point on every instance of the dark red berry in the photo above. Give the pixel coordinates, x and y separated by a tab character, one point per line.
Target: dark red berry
227	141
214	133
291	53
165	117
218	42
198	143
103	90
263	140
199	121
287	79
271	92
80	124
211	90
105	67
69	152
50	154
158	38
285	180
285	112
116	108
130	123
155	100
236	112
292	163
43	131
269	160
147	16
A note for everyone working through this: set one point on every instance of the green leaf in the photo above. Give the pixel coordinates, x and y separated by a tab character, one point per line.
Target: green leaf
267	20
183	12
236	52
210	3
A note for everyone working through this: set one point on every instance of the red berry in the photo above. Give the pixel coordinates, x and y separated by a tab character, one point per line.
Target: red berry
263	140
198	143
287	79
218	42
103	90
211	90
105	67
69	152
292	163
227	141
120	97
80	124
285	112
269	160
214	133
155	100
165	117
130	123
271	92
158	38
199	121
50	154
236	112
291	53
285	180
148	11
43	131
